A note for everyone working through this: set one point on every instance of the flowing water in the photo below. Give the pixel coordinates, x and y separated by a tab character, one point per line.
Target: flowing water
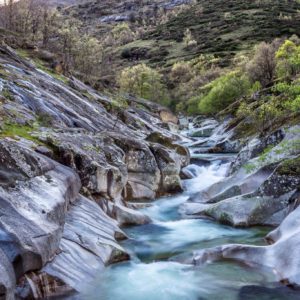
155	271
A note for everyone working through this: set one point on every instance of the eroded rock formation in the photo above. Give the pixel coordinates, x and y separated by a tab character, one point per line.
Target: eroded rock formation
69	164
262	188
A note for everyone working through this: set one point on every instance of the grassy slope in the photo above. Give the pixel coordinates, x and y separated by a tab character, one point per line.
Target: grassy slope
220	27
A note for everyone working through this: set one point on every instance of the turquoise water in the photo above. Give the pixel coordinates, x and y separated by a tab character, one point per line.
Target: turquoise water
158	250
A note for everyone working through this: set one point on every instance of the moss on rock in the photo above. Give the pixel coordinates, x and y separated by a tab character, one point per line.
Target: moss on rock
290	167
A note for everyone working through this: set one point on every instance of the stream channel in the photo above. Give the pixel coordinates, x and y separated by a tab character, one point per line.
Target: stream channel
156	270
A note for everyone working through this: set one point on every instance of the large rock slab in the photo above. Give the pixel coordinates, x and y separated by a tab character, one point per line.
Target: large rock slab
143	172
33	207
269	204
282	257
88	244
98	161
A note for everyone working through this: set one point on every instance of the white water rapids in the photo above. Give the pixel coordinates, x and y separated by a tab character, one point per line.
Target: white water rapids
156	271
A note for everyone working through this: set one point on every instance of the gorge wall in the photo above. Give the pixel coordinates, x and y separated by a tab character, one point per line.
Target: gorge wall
71	158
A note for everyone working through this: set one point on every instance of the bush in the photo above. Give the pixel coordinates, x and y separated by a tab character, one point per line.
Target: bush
262	117
122	34
288	59
143	81
263	65
290	92
181	72
188	39
224	91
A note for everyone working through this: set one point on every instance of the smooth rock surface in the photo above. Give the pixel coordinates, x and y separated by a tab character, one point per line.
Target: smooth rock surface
284	263
33	209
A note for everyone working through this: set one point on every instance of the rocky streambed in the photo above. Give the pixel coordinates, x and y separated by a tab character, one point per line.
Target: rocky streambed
70	162
78	180
185	254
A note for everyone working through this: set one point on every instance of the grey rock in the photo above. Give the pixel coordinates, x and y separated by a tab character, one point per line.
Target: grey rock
127	216
52	238
281	257
87	245
267	205
33	209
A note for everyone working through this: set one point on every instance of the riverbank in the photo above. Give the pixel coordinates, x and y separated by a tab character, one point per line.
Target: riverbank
71	159
160	266
158	270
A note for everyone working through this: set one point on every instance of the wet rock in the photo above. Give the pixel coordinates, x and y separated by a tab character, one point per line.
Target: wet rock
284	263
190	171
226	146
87	245
239	183
171	143
204	128
203	132
219	138
202	121
169	165
268	205
244	211
263	196
126	216
124	213
171	158
259	171
253	292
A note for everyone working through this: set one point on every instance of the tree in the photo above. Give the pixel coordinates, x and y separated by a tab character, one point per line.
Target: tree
262	117
288	59
188	38
8	14
68	37
144	82
88	58
262	67
223	91
31	18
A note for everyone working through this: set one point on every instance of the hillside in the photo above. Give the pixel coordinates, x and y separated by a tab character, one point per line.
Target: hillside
217	28
222	28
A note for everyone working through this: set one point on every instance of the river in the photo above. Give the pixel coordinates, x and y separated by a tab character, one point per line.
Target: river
157	271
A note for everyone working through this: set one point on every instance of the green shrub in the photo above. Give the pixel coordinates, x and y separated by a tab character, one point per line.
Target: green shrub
290	92
288	58
262	117
145	82
224	91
